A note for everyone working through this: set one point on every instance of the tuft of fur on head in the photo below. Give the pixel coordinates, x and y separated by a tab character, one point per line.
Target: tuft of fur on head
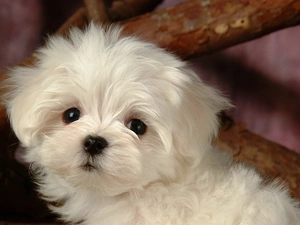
113	81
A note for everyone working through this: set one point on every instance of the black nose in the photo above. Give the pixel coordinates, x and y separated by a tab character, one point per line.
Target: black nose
94	144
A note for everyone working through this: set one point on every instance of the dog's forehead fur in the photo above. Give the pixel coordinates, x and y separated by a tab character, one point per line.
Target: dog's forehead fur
135	68
126	57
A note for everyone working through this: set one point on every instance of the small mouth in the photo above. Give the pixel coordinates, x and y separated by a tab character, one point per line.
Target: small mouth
88	167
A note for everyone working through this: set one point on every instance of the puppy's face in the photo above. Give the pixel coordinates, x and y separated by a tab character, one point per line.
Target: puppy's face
111	114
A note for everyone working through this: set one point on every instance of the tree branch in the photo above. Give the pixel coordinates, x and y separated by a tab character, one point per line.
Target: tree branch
124	9
268	157
96	11
106	11
198	27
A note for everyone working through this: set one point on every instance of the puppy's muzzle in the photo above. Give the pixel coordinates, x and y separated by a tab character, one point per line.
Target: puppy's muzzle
94	145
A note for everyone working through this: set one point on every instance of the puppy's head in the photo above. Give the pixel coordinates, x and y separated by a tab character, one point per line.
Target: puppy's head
110	113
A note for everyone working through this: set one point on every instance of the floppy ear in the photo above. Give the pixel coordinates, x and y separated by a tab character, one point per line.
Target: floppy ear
23	105
197	119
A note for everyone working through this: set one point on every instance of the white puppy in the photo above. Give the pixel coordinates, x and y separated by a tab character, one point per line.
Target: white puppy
119	131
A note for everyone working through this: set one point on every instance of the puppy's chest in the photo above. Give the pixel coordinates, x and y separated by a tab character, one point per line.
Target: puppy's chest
188	207
164	210
145	214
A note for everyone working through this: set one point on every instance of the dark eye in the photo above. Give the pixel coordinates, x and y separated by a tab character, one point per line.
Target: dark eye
71	115
137	126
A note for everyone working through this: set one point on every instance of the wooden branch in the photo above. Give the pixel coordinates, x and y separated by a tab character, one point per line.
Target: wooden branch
268	157
106	11
198	27
96	11
124	9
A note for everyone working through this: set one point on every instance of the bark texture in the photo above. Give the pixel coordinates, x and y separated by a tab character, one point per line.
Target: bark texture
204	26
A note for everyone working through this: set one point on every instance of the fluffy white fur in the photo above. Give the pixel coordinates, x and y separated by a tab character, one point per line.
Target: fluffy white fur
172	174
